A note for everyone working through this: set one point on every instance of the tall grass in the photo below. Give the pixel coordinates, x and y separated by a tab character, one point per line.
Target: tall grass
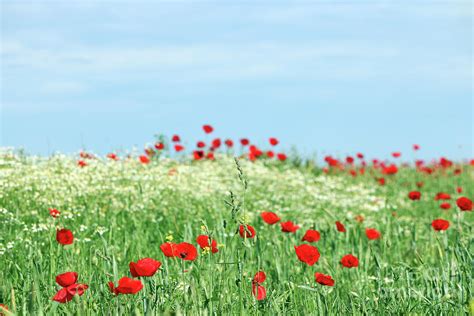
123	211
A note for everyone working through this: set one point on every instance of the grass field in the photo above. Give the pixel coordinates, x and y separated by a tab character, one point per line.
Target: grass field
123	211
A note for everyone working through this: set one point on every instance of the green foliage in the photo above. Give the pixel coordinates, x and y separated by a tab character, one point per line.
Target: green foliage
123	211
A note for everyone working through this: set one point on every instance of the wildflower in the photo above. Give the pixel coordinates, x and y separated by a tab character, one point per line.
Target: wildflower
289	227
442	196
144	267
464	203
69	286
247	231
273	141
126	285
207	129
244	142
54	212
340	227
175	139
185	251
445	206
270	217
350	261
414	195
81	163
311	236
167	249
281	156
203	242
307	254
324	279
372	233
258	290
229	143
64	236
112	156
440	224
144	159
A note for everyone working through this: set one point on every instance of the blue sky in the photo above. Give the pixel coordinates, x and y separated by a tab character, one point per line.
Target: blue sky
327	77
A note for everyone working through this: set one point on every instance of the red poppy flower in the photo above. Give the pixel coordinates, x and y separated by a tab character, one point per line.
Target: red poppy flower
459	190
289	227
331	161
445	163
273	141
144	159
390	170
372	233
311	236
54	212
201	144
440	224
77	289
70	288
244	141
62	296
66	279
81	163
349	160
281	156
178	148
229	143
340	227
442	196
185	251
350	261
203	242
360	155
112	156
445	206
396	154
353	173
420	184
175	139
259	277
414	195
270	154
381	181
464	203
259	292
416	147
168	249
159	146
247	231
270	217
64	236
198	154
146	267
207	129
324	279
307	254
216	143
210	156
255	151
126	286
